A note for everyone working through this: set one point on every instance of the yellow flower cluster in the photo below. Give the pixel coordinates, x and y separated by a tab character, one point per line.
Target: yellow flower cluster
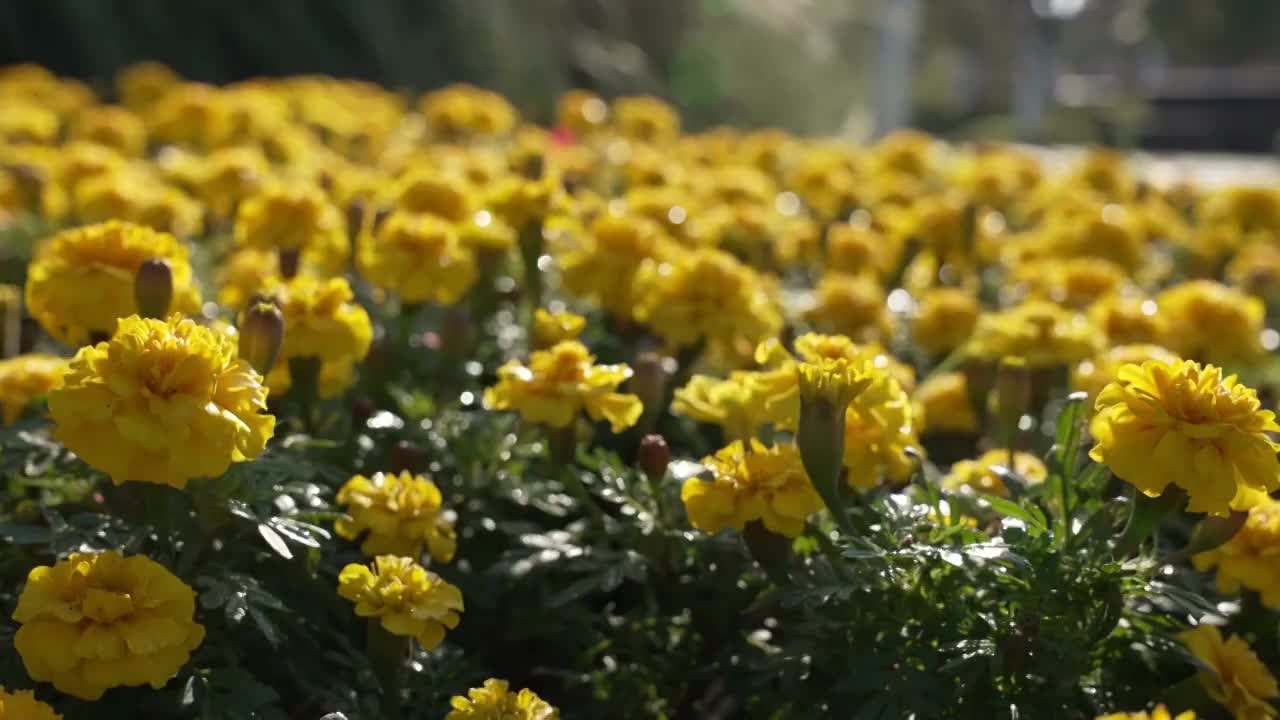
162	402
1236	678
561	382
400	514
25	378
495	701
81	280
1251	558
752	482
978	474
1160	712
1187	424
100	620
407	599
323	321
23	705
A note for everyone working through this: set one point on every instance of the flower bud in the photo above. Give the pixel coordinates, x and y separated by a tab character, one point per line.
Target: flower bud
261	333
289	260
650	373
153	288
826	389
654	457
1013	390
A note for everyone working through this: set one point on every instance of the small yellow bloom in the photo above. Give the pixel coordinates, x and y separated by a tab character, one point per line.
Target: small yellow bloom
142	84
852	305
408	600
1129	320
461	111
646	119
427	192
581	111
562	381
942	404
401	514
1092	375
1160	712
245	273
1039	331
709	295
978	476
420	257
944	319
1211	322
1074	282
1256	269
1187	424
23	705
732	403
322	319
752	482
25	378
224	178
113	127
550	328
192	115
602	268
297	218
161	402
857	249
1252	557
495	701
100	620
1239	681
81	280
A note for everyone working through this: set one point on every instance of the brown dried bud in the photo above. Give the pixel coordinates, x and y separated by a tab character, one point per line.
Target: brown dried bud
654	457
261	334
153	288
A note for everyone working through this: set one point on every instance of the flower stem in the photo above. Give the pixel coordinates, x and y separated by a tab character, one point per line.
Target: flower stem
304	376
563	444
387	654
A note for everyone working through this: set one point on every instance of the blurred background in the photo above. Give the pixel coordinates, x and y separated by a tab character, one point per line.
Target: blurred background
1155	74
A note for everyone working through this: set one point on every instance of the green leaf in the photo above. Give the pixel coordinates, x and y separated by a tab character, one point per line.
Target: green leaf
25	534
274	540
1035	521
1067	437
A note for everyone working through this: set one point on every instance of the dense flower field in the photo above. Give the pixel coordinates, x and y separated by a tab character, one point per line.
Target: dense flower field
325	401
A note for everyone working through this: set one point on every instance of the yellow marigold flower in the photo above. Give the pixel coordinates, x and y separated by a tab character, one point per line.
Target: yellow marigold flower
428	192
752	482
161	402
322	319
1108	232
646	119
193	115
977	474
114	127
224	178
81	280
1238	681
562	381
27	122
1211	322
1074	282
550	328
245	273
100	620
944	319
1251	558
942	404
465	110
142	84
295	217
602	268
1160	712
1187	424
401	514
1129	320
1039	331
879	427
23	705
1095	373
857	249
1235	216
581	111
495	701
1256	269
732	403
708	294
407	599
419	257
852	305
25	378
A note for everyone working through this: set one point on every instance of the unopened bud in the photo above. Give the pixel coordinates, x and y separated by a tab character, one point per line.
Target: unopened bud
1013	390
289	260
654	457
650	373
261	334
153	288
